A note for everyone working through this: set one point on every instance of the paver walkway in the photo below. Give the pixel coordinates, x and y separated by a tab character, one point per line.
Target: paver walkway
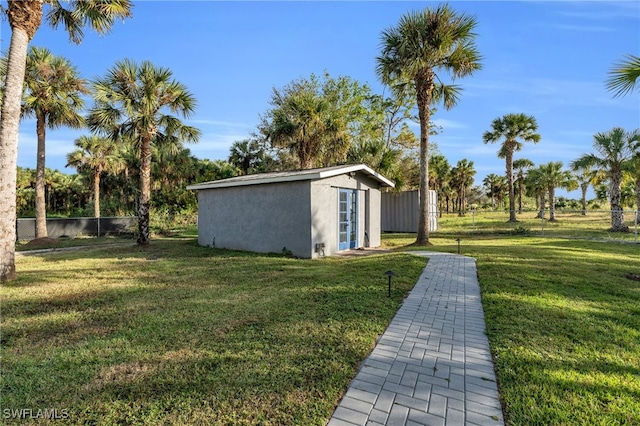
432	366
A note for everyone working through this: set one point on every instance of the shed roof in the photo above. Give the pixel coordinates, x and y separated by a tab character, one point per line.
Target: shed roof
296	175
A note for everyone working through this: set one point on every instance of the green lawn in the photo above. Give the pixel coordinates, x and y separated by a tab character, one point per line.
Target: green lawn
181	334
593	225
563	320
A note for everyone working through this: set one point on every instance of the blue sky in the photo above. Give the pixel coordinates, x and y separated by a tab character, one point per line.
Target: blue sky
548	59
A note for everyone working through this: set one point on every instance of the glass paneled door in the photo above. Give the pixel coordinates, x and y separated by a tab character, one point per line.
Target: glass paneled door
348	219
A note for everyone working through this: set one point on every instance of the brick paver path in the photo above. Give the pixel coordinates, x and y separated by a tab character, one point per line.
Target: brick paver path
432	366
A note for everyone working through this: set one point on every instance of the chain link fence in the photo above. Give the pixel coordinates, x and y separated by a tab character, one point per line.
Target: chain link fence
77	226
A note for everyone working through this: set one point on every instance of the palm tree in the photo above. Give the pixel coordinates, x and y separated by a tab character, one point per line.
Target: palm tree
421	45
247	155
633	168
376	154
624	76
495	185
586	176
537	188
512	127
613	150
520	167
133	102
461	178
305	123
53	94
441	172
24	189
25	17
552	175
97	155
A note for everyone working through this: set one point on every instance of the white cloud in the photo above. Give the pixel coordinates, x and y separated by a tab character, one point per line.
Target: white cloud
448	124
215	145
590	28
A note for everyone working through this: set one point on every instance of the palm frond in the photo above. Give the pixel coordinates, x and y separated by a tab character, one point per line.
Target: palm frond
448	94
624	75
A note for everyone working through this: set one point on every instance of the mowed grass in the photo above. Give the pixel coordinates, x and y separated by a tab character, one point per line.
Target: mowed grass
563	320
593	226
180	334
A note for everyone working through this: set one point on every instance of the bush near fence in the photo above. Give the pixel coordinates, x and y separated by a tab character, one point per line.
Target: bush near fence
77	226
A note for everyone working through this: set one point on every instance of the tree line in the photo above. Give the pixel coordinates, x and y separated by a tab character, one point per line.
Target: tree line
138	110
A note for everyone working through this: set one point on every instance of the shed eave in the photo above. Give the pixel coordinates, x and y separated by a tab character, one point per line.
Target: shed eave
292	177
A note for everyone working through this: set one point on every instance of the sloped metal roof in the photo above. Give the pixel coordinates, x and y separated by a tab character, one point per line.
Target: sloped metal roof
296	175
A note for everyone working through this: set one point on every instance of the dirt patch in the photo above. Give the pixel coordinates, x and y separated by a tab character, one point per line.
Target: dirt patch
119	375
42	242
633	277
361	252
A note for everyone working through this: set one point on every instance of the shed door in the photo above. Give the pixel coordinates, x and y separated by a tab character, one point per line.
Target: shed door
348	219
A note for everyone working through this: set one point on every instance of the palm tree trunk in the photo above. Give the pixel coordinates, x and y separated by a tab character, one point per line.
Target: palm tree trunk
24	18
424	88
520	179
552	204
96	193
512	198
145	192
584	187
617	214
637	198
41	205
542	205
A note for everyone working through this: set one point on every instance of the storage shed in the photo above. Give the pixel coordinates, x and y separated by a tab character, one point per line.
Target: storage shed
309	213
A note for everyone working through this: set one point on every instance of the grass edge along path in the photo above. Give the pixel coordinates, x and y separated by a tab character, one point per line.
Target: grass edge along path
181	334
563	321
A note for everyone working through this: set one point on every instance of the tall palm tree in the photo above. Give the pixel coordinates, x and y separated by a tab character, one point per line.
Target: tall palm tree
462	178
520	167
613	150
53	94
624	76
97	155
423	44
25	17
135	102
552	175
514	129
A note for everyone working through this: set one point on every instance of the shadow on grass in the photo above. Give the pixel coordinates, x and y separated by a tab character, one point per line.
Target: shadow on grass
177	333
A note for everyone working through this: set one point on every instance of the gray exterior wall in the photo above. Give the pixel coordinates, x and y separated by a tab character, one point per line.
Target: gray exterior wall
297	215
260	218
324	211
400	211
